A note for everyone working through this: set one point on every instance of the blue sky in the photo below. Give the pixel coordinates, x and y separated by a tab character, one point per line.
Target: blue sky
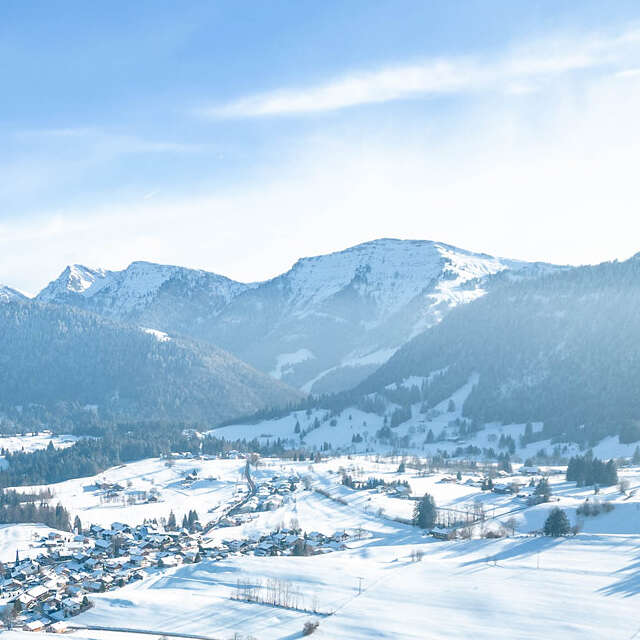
239	136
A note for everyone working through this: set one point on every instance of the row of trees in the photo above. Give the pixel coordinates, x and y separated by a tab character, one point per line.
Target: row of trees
188	520
556	524
117	445
18	508
370	483
586	470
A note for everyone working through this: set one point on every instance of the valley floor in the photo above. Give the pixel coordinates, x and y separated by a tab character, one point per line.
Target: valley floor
522	586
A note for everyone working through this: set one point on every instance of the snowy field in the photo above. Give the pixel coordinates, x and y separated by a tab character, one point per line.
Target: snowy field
23	538
521	586
474	589
217	483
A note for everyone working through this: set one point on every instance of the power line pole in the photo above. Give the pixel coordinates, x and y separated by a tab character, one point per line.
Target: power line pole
360	579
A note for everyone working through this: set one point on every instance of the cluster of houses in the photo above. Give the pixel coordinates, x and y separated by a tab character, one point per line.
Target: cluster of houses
397	490
502	483
113	492
271	494
290	542
41	593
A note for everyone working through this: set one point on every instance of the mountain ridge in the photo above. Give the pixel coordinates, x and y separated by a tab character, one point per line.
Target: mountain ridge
8	294
553	360
322	325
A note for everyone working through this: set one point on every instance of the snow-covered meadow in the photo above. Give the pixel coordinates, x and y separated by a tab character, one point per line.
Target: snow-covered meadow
217	483
522	585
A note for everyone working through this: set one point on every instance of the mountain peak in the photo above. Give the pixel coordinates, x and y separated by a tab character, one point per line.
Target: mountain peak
76	279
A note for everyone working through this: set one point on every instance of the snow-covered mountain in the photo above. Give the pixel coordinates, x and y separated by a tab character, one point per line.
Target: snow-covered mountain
323	325
558	353
333	319
7	294
141	285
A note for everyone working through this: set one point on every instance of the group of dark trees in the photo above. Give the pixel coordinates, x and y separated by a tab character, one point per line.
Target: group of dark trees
507	442
557	524
32	507
124	443
400	415
586	470
370	483
504	462
87	457
188	520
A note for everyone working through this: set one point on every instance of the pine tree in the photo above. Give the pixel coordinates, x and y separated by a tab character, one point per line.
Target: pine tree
557	523
543	490
171	524
424	515
610	474
504	462
77	525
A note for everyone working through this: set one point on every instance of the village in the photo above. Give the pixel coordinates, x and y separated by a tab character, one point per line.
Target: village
42	593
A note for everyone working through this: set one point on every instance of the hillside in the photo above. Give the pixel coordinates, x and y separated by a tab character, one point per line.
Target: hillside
548	362
59	364
324	325
562	350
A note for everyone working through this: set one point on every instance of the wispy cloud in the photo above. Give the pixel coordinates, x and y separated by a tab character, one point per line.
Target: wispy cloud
538	62
102	140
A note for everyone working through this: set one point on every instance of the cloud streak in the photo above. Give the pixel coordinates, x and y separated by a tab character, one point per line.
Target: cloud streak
434	77
98	139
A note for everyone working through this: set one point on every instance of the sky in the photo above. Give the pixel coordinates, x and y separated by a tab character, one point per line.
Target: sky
239	136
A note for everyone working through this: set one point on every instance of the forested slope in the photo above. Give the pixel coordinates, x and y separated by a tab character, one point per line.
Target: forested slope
62	364
563	349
